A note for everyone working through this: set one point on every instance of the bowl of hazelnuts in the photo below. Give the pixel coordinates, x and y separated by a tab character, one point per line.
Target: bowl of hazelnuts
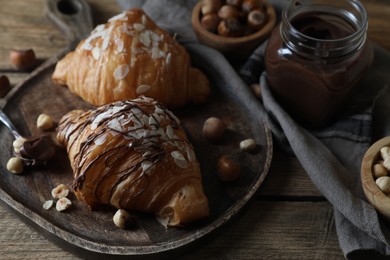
234	27
375	176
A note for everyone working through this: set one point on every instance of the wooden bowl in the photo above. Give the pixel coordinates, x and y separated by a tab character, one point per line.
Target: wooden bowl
374	195
233	47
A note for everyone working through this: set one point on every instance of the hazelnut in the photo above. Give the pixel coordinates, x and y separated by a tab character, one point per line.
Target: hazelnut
15	165
210	22
5	86
385	152
250	5
48	204
228	11
210	6
63	204
256	19
386	163
44	122
22	59
213	129
18	143
227	169
379	170
235	3
256	90
230	27
60	191
383	184
248	145
123	219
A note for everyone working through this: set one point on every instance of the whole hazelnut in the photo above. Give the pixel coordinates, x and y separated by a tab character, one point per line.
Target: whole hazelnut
256	19
210	22
123	219
5	86
235	3
228	170
250	5
228	11
15	165
44	122
213	129
210	6
230	27
22	59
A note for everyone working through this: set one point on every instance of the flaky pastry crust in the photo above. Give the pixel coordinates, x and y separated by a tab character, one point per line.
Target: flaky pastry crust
128	57
134	155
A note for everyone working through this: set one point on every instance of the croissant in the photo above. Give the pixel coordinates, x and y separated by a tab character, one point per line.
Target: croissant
130	56
134	155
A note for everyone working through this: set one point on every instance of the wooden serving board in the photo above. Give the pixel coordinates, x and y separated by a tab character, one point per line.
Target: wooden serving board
93	232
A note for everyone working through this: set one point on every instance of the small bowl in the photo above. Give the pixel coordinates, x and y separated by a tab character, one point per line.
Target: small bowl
233	47
374	195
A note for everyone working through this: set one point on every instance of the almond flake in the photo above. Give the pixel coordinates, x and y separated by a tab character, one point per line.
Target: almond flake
190	154
144	38
143	19
141	89
169	132
106	41
177	155
87	46
153	120
119	45
179	143
145	165
121	71
168	59
138	27
96	53
100	140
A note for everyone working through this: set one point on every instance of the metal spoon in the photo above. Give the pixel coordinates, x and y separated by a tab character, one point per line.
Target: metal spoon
35	150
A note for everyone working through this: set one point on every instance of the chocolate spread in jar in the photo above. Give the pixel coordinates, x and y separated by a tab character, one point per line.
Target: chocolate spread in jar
313	78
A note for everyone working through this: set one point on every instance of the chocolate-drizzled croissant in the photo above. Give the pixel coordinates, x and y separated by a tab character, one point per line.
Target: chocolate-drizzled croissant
130	56
134	155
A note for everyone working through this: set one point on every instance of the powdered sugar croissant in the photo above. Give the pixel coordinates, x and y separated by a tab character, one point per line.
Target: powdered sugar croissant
134	155
130	56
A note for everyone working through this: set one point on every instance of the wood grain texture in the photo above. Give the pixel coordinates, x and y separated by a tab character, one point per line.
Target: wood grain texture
284	222
94	231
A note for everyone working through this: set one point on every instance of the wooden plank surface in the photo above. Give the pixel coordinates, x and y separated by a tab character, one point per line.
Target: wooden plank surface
290	219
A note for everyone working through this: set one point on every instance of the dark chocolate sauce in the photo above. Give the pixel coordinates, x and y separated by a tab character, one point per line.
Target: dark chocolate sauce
37	150
310	85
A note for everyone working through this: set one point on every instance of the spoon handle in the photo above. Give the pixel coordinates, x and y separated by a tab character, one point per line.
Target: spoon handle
7	122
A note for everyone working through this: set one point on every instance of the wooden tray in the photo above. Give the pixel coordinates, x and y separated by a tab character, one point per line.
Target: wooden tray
93	233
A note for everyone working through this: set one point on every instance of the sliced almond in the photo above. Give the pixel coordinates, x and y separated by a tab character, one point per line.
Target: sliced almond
96	53
141	89
121	71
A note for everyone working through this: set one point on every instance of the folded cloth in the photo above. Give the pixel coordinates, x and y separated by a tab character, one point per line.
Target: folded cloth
331	156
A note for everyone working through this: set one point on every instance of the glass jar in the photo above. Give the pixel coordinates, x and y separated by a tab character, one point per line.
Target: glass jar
316	55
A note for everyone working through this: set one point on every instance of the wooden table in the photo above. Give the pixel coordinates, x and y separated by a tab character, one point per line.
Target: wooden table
288	219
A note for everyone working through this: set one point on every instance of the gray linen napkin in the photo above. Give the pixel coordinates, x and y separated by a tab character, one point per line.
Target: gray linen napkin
332	155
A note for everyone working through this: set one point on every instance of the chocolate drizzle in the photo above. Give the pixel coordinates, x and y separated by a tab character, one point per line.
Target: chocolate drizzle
133	136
